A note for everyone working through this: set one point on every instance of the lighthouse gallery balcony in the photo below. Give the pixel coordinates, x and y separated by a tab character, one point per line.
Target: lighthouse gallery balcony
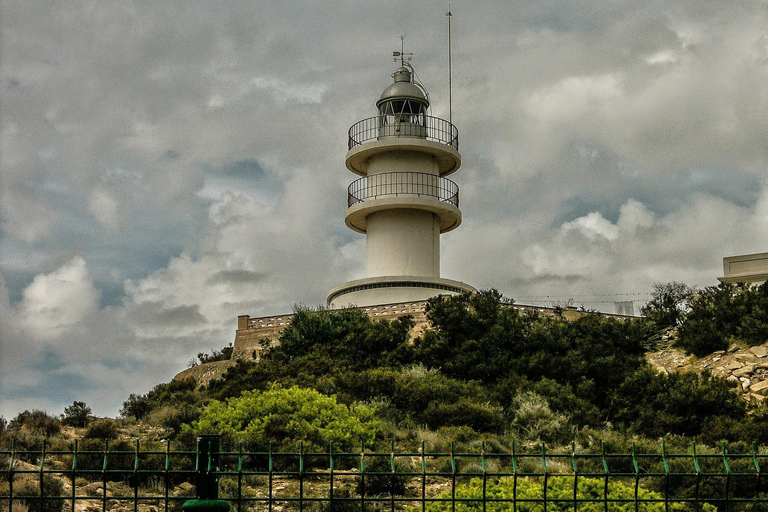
404	132
404	125
403	183
403	190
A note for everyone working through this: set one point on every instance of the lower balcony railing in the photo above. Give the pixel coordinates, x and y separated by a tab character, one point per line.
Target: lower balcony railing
403	183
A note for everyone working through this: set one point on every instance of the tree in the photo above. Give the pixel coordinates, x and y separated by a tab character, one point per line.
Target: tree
137	406
670	303
723	314
76	415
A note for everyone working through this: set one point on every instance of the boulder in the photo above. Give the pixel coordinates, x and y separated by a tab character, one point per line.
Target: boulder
760	388
746	357
744	371
759	351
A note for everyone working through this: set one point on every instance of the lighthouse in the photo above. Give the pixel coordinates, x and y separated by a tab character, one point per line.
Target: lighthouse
402	200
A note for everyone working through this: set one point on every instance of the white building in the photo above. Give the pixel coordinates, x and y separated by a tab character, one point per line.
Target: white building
402	201
747	268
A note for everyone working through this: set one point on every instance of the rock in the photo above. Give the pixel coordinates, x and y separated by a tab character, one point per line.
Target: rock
731	378
759	351
745	382
184	489
718	352
746	357
744	371
716	359
733	365
761	388
759	398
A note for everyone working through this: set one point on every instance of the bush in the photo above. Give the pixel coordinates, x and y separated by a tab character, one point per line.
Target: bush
216	355
654	405
51	487
177	393
725	313
294	414
535	421
380	479
76	415
559	496
36	422
102	429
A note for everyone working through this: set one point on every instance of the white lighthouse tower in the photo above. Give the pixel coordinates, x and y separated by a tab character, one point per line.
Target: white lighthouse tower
403	201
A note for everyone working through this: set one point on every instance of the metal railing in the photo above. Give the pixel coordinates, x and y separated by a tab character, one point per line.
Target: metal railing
403	183
428	127
439	481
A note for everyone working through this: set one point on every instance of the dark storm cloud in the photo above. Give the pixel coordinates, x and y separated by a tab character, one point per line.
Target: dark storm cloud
236	276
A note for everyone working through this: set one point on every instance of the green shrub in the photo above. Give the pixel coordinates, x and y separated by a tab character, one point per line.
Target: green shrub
38	423
535	421
295	414
76	415
725	313
654	404
380	477
102	429
31	488
173	418
216	355
559	496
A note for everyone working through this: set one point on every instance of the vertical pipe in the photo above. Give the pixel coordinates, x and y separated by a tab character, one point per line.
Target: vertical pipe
449	14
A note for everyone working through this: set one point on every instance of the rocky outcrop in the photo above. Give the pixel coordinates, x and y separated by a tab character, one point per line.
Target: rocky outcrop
746	366
206	372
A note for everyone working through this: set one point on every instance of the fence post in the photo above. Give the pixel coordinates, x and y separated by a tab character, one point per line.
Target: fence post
207	479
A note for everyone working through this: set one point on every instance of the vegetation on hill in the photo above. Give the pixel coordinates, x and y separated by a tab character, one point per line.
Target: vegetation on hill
482	370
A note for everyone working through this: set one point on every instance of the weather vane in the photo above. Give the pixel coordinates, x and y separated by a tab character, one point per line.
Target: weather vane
404	57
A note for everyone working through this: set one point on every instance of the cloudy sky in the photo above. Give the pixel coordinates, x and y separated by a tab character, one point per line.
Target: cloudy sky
169	165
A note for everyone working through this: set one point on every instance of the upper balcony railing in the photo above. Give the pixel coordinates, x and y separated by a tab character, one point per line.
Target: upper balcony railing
403	183
420	126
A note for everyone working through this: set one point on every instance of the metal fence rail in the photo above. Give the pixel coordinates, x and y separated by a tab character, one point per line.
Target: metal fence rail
272	481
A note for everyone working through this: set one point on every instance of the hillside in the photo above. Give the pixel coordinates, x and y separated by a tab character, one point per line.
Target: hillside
480	376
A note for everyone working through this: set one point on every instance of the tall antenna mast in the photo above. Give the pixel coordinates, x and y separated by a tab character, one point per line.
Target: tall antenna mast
449	14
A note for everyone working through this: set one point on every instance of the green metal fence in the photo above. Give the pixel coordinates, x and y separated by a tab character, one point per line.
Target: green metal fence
471	481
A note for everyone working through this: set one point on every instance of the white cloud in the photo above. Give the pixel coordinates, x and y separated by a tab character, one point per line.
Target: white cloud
633	216
104	207
573	98
58	301
592	226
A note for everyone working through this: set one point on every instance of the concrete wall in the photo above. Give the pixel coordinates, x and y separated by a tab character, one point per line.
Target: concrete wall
403	243
747	268
402	161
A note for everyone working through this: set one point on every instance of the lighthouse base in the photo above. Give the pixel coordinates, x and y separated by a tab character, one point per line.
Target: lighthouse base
391	289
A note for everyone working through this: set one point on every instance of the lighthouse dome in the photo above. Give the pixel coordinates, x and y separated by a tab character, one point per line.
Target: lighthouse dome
403	89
